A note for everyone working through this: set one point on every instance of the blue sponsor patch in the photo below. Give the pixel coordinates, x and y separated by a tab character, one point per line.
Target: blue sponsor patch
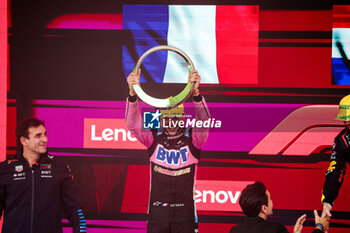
172	157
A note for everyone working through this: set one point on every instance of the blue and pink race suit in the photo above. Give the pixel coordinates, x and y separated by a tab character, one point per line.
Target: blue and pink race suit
173	161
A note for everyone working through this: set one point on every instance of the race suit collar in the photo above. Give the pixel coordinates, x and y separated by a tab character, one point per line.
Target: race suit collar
20	157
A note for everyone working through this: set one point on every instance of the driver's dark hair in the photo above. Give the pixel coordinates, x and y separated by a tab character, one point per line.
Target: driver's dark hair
22	130
253	197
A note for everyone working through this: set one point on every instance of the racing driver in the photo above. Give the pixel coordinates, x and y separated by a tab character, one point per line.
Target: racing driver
174	153
339	157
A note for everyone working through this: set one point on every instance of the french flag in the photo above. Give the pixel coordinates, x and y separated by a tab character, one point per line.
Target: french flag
222	42
341	45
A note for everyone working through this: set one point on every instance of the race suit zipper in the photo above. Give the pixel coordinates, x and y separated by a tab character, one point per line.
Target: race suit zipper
32	210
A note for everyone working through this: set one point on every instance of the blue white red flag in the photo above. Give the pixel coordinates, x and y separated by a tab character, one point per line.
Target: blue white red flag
222	42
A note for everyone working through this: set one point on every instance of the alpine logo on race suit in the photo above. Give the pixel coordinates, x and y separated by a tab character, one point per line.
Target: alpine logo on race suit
172	157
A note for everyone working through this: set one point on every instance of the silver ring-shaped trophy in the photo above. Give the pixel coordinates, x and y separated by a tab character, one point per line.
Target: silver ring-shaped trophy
169	102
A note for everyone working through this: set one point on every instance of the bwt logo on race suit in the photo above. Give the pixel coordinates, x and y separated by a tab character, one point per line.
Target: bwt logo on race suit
151	120
172	157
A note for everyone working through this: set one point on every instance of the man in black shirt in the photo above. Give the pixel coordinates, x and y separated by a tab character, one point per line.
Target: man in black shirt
34	185
257	205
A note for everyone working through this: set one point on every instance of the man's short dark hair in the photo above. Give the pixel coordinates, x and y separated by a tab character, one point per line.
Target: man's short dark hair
253	197
24	125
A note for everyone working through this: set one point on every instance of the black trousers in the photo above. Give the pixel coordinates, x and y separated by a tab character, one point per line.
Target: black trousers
172	218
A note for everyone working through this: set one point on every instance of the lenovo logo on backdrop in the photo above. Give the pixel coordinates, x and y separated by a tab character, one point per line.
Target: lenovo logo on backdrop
216	195
109	134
